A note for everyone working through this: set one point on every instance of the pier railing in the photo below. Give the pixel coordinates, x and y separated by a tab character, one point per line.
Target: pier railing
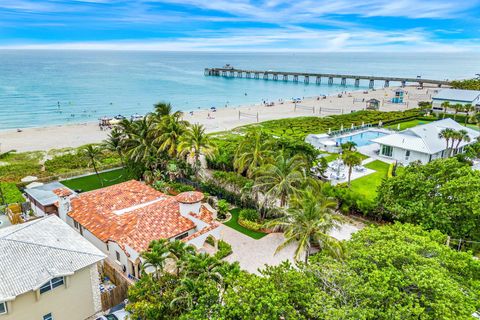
306	76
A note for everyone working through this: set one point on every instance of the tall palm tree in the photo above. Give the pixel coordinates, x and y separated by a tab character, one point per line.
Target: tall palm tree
281	178
445	105
168	131
468	108
307	223
448	135
457	107
461	135
93	153
163	109
351	159
253	151
196	142
114	143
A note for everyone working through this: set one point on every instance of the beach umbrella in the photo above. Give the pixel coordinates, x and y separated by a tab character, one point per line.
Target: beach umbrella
29	179
398	126
363	123
380	123
329	130
352	125
341	128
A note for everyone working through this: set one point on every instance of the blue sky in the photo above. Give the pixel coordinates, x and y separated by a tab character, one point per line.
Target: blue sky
242	25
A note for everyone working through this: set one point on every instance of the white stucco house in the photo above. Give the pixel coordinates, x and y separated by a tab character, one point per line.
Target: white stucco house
121	220
48	271
455	96
422	143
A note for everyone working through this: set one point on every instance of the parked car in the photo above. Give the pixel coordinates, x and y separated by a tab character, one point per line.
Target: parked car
115	315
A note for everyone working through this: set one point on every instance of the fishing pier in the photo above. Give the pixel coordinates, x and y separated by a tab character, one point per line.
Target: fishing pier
305	77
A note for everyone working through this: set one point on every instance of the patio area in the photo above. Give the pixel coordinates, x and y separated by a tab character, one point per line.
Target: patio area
254	254
337	172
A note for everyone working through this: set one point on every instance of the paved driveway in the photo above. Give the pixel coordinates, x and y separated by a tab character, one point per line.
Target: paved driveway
254	254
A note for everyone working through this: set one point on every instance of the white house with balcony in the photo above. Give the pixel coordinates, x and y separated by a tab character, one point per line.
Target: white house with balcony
422	143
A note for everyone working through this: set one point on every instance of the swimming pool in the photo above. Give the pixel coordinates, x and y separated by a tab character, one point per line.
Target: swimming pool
361	138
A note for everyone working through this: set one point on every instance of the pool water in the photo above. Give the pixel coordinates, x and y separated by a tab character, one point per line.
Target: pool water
362	138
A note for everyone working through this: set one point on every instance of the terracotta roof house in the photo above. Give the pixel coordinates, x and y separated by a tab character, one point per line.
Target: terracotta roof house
122	220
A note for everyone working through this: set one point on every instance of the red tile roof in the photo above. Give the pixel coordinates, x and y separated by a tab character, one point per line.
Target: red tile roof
62	192
129	213
190	197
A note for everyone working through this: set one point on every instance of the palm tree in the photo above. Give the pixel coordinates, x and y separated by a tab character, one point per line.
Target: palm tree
163	109
457	107
282	178
93	152
196	142
445	105
461	135
448	135
156	257
114	143
349	146
307	222
351	159
252	152
468	108
168	131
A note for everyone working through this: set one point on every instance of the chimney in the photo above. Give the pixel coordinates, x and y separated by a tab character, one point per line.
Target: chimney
64	205
190	202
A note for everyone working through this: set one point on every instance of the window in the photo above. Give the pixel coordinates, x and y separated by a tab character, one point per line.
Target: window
3	307
117	255
387	150
52	284
407	154
75	224
48	316
183	235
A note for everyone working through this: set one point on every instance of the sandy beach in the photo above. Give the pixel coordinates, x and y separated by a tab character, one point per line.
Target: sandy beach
74	135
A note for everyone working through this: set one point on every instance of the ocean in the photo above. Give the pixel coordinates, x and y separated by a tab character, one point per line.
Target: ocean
42	88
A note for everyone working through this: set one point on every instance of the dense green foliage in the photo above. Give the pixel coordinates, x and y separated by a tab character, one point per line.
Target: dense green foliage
443	194
249	215
10	193
390	272
298	128
470	84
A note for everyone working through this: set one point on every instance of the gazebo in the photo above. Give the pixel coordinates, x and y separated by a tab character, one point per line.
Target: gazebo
373	104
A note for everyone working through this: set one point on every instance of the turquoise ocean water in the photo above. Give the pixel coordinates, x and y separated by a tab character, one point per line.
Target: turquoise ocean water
41	88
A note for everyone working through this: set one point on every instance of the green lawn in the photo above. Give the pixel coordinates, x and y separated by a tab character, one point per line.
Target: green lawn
91	182
233	223
367	185
408	124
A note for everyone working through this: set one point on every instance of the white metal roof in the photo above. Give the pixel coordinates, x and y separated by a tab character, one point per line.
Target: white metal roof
34	252
425	138
470	96
44	193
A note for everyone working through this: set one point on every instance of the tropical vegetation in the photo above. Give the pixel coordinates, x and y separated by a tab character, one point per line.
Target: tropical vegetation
391	272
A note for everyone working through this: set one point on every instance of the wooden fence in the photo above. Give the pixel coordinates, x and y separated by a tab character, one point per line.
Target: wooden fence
119	293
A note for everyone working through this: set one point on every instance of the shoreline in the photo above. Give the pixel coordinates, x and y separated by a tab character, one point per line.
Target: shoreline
226	118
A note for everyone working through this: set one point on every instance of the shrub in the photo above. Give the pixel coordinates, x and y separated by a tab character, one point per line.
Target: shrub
224	249
249	215
10	192
251	225
222	208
